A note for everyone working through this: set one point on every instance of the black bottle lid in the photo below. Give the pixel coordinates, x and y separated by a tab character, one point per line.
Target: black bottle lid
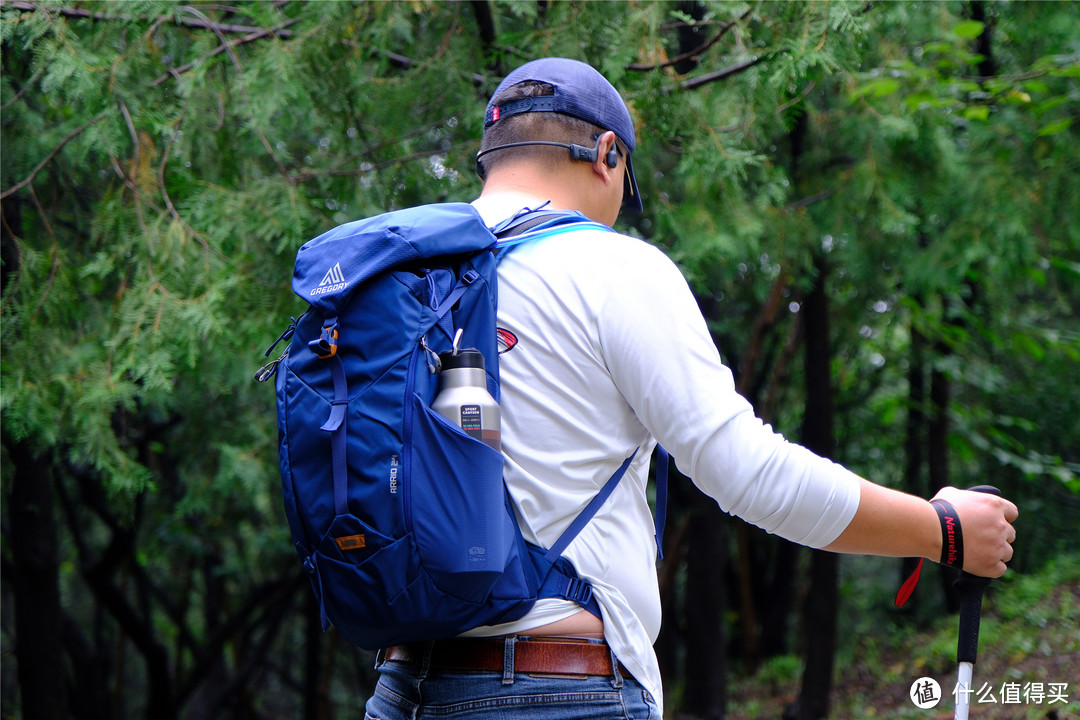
469	358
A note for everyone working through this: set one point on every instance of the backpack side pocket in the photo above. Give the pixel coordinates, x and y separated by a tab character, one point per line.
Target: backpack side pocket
464	533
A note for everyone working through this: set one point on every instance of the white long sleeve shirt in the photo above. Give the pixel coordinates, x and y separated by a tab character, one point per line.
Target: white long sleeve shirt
613	354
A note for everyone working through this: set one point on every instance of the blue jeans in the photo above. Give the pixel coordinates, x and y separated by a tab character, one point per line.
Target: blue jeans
414	692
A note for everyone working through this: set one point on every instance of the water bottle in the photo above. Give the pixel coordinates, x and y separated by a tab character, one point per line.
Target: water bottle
463	397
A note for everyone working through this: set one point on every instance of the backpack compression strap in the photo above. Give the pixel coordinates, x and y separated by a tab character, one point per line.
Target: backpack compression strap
660	519
561	582
583	518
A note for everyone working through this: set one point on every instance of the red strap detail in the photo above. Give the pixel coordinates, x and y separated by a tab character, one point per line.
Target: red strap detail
909	586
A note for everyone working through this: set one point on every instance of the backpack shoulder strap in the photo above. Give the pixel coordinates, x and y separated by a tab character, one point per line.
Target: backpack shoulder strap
529	224
522	223
527	218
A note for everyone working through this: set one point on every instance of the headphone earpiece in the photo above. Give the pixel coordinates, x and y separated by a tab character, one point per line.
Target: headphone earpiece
588	154
580	152
612	157
577	152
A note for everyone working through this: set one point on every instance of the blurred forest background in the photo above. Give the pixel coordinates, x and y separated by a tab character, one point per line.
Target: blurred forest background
876	203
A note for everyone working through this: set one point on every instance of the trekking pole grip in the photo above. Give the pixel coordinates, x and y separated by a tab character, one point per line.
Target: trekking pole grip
970	588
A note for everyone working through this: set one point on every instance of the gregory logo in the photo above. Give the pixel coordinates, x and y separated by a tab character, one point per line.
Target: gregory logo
333	281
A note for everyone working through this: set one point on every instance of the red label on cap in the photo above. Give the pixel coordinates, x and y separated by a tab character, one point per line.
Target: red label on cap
494	114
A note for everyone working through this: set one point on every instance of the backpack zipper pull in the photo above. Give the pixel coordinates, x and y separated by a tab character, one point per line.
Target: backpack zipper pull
434	362
268	370
283	336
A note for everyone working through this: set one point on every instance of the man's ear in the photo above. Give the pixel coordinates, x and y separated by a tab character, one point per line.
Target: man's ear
607	158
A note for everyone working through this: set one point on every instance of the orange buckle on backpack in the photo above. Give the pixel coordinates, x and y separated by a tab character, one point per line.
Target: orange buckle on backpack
326	345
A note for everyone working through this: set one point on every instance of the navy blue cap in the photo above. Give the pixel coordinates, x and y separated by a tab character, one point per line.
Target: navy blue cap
579	91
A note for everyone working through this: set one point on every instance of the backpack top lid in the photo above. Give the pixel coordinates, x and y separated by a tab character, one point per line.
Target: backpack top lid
332	265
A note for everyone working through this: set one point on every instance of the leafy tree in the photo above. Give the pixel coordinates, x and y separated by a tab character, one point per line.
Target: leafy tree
907	166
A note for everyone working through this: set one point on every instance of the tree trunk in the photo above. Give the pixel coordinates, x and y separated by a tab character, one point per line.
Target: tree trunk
762	594
706	659
820	615
485	27
778	600
38	629
671	644
691	36
938	460
315	697
914	442
92	670
987	65
105	576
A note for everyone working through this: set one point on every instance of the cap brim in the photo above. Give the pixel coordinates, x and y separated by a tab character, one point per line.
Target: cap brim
631	201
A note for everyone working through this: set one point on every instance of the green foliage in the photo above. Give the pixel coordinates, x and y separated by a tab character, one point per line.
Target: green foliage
162	163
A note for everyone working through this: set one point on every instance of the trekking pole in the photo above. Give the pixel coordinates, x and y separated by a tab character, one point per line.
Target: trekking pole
970	588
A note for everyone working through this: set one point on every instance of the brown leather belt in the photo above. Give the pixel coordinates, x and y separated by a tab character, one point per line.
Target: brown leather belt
536	655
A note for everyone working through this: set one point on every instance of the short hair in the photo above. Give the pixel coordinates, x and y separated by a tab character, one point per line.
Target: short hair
526	126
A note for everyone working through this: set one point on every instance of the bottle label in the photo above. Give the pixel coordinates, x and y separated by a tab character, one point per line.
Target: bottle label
472	421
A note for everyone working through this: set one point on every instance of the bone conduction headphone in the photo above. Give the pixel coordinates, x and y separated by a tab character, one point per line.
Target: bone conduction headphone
577	152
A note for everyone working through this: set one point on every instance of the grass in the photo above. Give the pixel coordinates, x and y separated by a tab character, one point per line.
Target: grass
1030	635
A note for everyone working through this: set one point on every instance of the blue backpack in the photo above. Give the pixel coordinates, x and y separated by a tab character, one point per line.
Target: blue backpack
400	519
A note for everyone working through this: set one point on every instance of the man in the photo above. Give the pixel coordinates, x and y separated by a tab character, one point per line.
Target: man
608	352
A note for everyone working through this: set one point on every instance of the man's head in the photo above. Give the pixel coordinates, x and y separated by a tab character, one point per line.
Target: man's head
548	107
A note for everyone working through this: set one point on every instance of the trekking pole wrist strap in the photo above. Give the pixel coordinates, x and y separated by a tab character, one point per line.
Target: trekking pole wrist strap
952	536
952	547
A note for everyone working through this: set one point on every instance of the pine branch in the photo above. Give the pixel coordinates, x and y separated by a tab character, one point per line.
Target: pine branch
29	84
724	28
204	24
810	200
798	99
304	177
55	151
372	149
201	22
168	201
277	32
134	166
243	92
405	63
695	83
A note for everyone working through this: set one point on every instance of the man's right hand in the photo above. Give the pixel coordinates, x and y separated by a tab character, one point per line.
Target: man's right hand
988	532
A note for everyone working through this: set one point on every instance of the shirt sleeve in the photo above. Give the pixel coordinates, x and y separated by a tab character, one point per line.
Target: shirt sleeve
664	362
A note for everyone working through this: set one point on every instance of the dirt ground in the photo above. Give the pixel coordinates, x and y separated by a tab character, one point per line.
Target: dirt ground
879	687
